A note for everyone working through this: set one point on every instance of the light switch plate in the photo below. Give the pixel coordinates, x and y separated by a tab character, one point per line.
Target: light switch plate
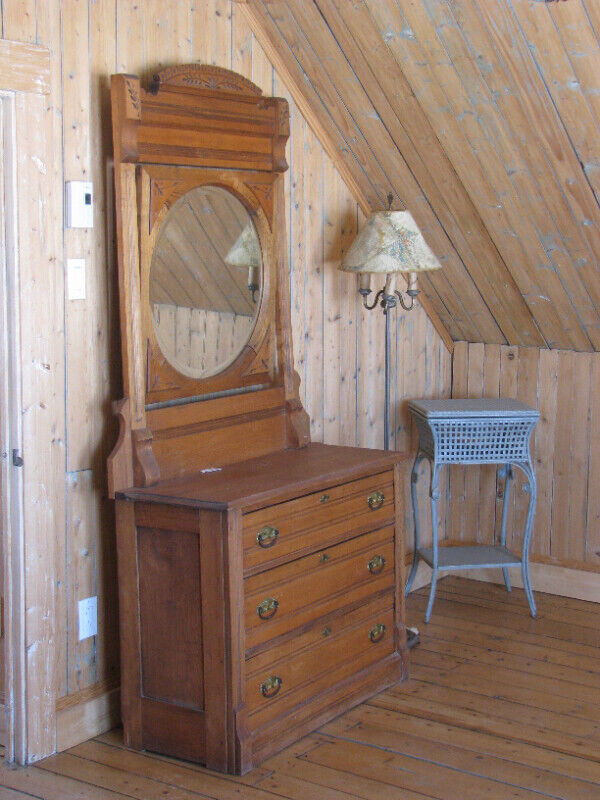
76	278
79	201
88	617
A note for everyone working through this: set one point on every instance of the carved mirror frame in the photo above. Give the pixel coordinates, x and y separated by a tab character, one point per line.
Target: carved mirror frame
160	188
199	125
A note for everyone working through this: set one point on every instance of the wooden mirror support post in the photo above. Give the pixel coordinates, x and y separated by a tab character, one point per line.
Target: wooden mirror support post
260	575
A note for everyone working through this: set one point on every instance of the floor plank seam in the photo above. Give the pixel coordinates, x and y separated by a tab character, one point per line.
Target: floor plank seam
444	766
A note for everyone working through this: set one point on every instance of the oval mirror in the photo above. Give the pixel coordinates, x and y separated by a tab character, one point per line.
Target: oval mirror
205	281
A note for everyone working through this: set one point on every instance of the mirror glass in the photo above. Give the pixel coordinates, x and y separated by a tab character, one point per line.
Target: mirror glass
205	281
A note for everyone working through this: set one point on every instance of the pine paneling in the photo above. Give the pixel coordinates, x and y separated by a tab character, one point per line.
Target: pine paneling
483	118
563	386
71	362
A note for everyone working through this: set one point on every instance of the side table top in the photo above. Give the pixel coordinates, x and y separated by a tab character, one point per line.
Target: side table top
492	407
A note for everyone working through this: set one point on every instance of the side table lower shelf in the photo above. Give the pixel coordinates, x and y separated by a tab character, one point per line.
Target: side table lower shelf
479	556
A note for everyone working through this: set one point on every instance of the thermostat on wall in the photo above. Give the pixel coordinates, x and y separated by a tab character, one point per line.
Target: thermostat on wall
79	199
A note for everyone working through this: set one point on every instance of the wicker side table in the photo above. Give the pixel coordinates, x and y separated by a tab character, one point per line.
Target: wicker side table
487	431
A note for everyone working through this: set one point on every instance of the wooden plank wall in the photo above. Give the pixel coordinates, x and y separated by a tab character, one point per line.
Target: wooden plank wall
200	340
482	118
565	387
339	347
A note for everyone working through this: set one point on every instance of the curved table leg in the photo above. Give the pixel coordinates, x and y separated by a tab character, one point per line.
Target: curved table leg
531	489
414	477
431	595
508	474
434	494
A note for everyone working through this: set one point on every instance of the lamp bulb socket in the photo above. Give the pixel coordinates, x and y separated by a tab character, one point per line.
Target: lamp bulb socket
364	282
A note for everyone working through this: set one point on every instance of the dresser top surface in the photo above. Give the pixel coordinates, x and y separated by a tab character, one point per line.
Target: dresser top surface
271	478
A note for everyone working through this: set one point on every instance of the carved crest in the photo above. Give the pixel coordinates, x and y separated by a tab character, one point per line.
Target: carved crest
205	76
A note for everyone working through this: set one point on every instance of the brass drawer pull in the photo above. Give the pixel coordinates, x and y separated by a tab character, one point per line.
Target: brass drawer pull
268	608
324	498
267	537
377	633
375	500
376	564
271	686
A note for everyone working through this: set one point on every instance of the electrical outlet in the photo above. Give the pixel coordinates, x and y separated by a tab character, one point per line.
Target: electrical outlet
88	617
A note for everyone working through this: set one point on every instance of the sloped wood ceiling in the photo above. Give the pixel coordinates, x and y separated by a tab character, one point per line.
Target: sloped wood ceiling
483	118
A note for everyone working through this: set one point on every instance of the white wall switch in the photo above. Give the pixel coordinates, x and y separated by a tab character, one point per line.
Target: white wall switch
76	278
88	617
79	201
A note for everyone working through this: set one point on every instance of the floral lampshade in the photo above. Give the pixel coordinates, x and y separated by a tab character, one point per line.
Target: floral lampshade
389	242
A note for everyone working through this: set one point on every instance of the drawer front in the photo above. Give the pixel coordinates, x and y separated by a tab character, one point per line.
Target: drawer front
293	674
316	520
295	594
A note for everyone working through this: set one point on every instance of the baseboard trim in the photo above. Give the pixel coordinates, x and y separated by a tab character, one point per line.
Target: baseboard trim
89	718
549	578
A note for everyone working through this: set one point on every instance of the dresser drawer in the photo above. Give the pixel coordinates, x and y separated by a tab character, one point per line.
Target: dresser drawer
297	671
294	594
316	520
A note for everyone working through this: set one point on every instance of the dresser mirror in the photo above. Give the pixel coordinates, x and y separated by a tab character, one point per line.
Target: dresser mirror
205	281
208	372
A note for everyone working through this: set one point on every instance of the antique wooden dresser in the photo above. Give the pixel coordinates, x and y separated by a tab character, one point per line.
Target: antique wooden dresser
260	575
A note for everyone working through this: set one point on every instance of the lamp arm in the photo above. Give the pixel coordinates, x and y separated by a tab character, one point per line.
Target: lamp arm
412	293
365	293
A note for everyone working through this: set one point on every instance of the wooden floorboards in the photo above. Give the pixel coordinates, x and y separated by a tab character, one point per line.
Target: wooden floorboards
499	706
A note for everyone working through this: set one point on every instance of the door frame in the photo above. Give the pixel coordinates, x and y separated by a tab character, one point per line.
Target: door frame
28	383
11	438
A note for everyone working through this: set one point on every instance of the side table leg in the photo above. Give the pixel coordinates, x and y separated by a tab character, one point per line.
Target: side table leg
508	473
531	488
431	595
434	494
414	478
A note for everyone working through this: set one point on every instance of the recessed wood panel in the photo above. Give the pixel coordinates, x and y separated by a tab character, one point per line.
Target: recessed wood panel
171	630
